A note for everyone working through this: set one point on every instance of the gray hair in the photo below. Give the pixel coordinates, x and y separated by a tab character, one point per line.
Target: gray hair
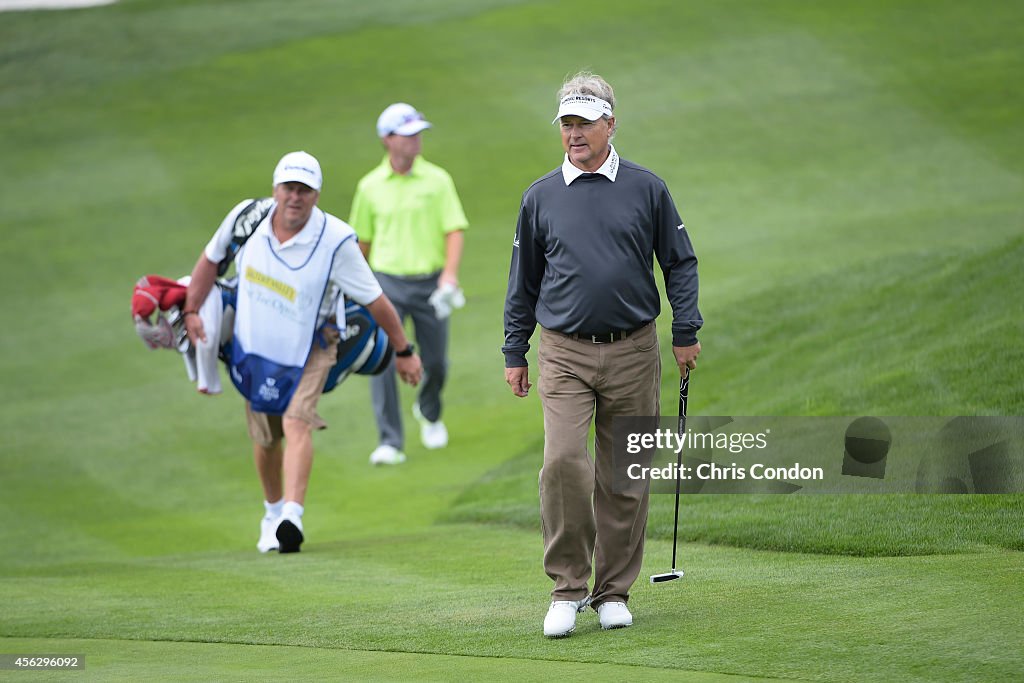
587	83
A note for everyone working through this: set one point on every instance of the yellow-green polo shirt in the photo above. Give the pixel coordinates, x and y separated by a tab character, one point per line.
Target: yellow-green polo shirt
406	217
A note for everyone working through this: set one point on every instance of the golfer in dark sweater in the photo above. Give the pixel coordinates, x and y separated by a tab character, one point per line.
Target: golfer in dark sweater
583	268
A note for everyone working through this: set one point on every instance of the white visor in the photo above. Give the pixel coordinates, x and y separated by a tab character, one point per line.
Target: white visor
589	107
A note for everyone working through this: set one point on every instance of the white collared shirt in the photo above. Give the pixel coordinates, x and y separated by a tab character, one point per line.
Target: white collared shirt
306	237
609	169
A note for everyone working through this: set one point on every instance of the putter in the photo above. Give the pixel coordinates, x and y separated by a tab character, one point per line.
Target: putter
684	394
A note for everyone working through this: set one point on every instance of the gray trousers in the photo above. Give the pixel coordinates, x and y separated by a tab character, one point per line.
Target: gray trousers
409	294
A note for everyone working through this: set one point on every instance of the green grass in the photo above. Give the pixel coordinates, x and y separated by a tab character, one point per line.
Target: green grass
778	615
143	660
859	525
850	174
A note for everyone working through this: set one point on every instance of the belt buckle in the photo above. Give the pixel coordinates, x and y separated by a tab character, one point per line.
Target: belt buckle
594	339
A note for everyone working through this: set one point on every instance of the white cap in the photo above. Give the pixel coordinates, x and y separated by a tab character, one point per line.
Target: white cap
589	107
299	167
401	119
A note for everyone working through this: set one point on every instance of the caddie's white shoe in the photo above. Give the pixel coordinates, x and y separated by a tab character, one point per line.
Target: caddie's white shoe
432	434
614	615
386	455
561	618
289	533
268	534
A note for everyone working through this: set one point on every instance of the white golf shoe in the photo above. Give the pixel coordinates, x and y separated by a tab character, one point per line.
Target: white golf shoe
614	615
268	533
386	455
432	434
561	618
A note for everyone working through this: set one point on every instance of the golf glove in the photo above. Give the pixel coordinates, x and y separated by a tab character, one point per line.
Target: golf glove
445	299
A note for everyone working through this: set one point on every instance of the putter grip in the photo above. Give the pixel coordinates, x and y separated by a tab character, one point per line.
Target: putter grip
684	397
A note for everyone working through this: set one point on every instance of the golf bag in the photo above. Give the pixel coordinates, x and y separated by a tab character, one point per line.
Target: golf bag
364	348
157	304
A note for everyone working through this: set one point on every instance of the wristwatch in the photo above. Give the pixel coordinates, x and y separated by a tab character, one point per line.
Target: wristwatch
406	352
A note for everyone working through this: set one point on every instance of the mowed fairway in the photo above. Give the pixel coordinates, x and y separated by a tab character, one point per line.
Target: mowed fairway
850	174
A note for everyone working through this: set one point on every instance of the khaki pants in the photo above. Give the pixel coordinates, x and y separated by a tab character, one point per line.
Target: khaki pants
581	515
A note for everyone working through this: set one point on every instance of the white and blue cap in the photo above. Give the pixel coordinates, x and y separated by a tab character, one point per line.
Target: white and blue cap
589	107
299	167
400	119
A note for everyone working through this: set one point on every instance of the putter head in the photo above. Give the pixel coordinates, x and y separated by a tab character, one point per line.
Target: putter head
667	576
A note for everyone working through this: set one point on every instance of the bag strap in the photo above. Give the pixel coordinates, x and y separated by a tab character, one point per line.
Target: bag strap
245	225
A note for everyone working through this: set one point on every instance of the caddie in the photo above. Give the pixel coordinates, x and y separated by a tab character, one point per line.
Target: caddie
293	274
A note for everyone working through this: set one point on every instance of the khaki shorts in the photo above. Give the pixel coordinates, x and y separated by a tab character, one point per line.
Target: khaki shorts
265	430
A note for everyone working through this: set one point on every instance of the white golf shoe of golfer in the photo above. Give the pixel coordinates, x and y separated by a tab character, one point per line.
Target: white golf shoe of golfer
268	533
432	434
386	455
614	615
561	618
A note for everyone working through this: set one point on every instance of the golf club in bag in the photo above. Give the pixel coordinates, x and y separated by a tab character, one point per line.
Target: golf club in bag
684	394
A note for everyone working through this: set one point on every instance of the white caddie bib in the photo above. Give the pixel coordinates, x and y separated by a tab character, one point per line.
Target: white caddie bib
278	305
